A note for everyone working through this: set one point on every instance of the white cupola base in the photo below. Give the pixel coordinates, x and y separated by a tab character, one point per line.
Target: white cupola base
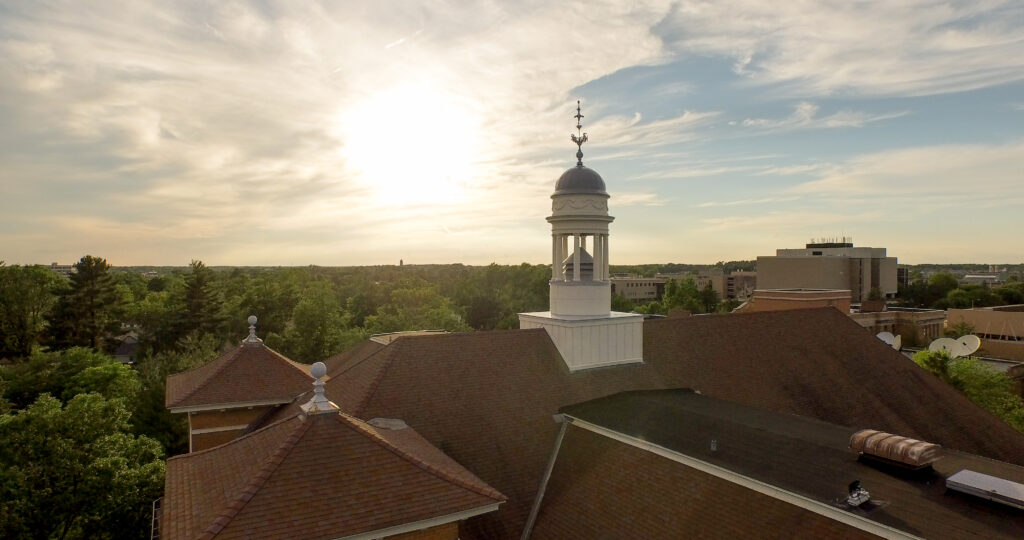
616	338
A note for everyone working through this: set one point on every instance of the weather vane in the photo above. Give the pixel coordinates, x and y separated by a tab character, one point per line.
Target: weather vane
580	137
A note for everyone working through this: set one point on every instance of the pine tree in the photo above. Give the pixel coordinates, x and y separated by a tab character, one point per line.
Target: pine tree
87	312
201	306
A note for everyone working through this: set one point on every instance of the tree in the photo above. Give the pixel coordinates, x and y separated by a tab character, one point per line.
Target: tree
416	306
63	373
201	307
682	295
150	416
319	327
87	312
26	298
959	330
989	389
75	471
709	299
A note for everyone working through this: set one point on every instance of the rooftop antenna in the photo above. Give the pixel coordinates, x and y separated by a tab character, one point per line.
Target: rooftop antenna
252	340
580	137
319	404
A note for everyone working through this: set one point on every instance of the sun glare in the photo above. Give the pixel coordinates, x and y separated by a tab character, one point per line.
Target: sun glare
411	144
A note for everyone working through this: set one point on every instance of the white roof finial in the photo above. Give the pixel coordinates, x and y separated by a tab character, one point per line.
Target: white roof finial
252	340
319	403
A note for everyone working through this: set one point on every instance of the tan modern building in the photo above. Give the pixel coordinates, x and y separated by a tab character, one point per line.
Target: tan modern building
1000	328
638	288
830	265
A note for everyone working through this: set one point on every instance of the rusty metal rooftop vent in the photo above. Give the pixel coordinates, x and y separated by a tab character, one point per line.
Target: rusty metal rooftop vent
894	449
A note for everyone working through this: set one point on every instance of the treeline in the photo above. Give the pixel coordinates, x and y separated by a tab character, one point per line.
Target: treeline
649	270
943	291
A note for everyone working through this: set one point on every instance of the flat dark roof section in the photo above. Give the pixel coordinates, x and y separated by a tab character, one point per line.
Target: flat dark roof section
807	457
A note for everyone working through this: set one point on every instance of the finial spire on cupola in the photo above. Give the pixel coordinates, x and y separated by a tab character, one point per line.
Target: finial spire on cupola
319	404
580	137
252	340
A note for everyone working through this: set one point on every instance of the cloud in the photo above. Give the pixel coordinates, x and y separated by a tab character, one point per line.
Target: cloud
869	48
218	120
805	116
747	202
947	175
789	221
637	199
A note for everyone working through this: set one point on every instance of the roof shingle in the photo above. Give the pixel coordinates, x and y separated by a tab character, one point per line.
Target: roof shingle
245	374
316	476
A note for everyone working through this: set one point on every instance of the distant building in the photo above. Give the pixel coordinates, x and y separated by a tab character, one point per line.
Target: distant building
639	289
738	285
981	279
917	327
1000	328
784	299
63	269
830	265
902	276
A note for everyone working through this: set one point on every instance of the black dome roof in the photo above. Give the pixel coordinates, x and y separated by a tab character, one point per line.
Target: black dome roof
580	179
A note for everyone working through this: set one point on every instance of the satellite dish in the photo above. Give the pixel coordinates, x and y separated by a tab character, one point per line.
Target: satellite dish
969	344
945	344
887	337
897	342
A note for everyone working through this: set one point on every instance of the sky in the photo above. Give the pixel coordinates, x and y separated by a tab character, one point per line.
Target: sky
357	133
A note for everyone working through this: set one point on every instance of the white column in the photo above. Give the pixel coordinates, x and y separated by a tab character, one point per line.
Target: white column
598	264
562	255
554	256
604	254
576	257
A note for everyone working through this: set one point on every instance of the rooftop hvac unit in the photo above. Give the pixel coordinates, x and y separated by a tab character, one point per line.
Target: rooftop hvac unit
987	487
894	449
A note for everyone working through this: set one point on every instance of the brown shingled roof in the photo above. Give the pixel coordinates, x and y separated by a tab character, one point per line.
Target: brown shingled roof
246	374
486	398
326	475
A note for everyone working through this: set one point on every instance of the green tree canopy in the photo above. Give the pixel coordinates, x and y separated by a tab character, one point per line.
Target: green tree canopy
319	329
416	306
27	294
987	388
75	472
66	373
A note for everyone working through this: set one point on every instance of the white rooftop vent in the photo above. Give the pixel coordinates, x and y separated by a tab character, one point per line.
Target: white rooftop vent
987	487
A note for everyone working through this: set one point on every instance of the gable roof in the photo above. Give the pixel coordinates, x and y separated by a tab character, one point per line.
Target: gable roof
608	447
487	398
249	373
316	476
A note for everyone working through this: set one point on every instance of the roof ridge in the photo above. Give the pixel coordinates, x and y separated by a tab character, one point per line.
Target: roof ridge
269	466
228	359
369	356
389	358
289	361
360	426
